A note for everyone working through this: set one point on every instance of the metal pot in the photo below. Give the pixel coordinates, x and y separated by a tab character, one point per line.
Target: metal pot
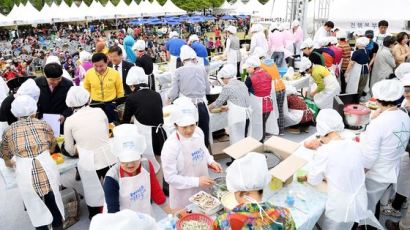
356	115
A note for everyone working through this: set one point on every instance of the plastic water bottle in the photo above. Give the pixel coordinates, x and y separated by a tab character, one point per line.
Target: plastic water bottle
290	199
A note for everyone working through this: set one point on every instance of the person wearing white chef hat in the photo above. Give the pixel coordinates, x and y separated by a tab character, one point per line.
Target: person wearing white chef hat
297	33
191	81
236	94
327	85
246	178
314	55
199	49
339	161
232	49
86	135
145	106
144	61
185	158
37	175
30	88
384	141
123	220
173	47
357	72
259	85
258	38
131	183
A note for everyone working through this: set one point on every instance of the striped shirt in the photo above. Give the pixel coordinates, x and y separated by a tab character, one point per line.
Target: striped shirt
236	92
28	138
346	53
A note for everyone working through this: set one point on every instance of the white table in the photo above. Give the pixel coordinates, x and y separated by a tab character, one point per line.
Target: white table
9	175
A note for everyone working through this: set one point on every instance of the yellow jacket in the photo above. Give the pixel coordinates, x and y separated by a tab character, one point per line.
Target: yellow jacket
105	87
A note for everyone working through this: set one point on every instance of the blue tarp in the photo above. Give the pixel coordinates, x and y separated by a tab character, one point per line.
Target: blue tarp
227	17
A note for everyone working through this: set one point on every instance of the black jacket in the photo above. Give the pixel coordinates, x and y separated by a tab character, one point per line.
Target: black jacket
5	110
53	102
126	66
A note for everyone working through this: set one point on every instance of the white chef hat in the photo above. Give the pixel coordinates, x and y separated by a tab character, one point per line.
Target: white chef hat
362	41
123	220
252	61
333	40
273	26
324	41
256	28
295	23
77	96
227	71
23	106
136	75
139	45
406	80
259	52
402	70
231	29
249	173
187	53
128	144
388	90
327	121
184	112
341	34
53	59
305	64
308	43
85	56
30	88
173	34
193	38
359	33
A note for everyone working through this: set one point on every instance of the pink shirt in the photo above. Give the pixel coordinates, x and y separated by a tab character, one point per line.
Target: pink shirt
276	42
338	54
298	35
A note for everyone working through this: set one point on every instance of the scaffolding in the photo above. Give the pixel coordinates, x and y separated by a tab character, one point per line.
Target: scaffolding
296	9
321	12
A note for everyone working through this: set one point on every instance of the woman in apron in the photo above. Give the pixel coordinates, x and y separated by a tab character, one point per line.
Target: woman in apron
236	94
357	72
232	50
131	183
144	106
37	175
338	161
384	141
327	85
86	135
246	178
185	158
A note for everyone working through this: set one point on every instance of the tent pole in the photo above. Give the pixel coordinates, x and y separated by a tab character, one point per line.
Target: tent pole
271	11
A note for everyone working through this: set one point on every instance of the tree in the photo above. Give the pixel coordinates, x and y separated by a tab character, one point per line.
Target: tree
24	2
216	3
38	4
137	1
88	2
49	2
127	2
68	2
115	2
162	2
6	6
263	1
16	2
58	2
103	2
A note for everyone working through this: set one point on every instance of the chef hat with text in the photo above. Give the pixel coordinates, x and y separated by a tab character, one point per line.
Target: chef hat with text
123	220
128	144
327	121
30	88
77	96
388	90
249	173
23	106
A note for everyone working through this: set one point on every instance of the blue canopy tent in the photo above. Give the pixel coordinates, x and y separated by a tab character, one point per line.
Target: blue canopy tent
228	17
242	16
210	17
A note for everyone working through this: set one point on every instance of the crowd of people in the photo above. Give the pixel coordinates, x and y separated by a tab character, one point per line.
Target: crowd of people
93	72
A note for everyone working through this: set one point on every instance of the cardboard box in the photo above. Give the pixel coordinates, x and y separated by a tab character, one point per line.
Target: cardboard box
282	147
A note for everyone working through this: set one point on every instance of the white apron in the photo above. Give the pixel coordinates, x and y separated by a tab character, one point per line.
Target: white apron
93	191
146	131
192	162
135	192
232	56
237	116
353	78
172	65
256	123
324	99
272	126
403	181
292	116
38	212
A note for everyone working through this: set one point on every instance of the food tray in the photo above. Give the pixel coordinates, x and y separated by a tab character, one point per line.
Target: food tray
198	201
194	217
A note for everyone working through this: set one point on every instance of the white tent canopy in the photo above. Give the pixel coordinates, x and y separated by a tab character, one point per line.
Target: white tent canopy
170	8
